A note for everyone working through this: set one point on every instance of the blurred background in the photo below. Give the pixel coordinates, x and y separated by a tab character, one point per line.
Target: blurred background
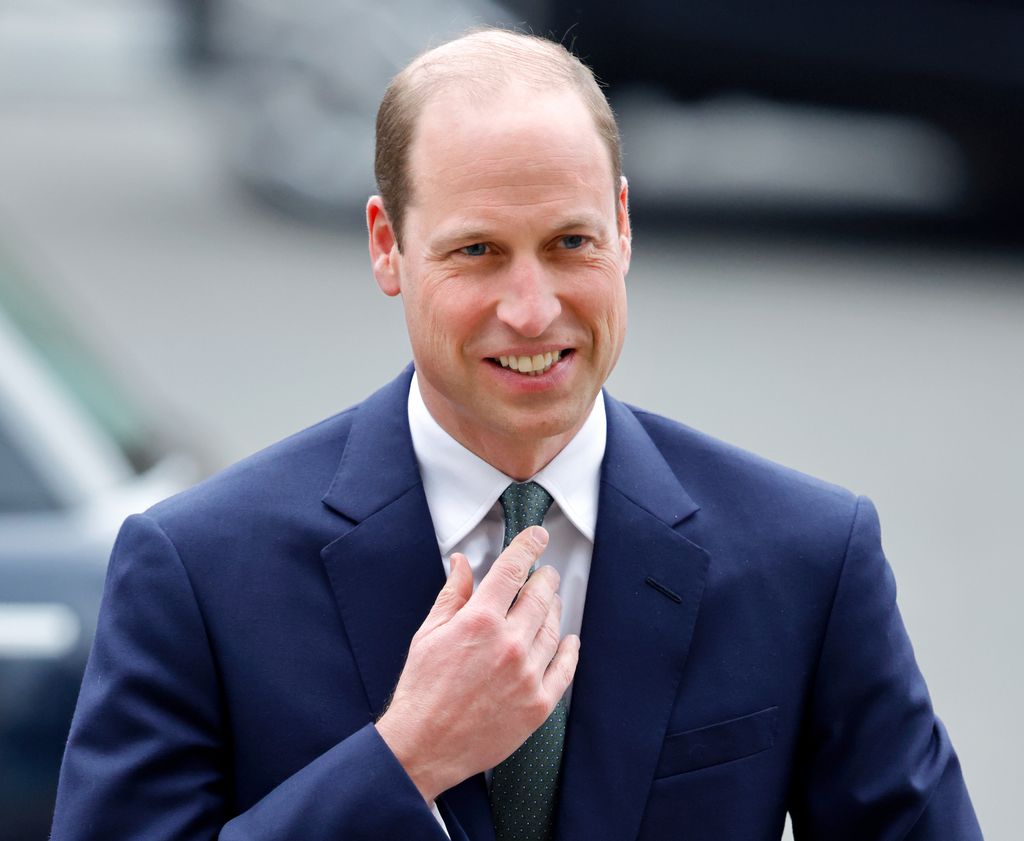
828	269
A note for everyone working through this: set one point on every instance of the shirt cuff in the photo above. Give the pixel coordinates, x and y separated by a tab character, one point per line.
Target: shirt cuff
434	811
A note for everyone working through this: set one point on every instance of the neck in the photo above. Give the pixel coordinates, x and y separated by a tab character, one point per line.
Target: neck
517	457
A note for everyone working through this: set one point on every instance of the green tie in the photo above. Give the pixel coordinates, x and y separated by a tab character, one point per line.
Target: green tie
524	786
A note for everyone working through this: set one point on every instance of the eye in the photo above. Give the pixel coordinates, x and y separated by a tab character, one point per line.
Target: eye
572	241
477	249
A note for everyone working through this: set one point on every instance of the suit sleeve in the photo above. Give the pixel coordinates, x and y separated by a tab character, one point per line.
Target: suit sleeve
879	765
148	756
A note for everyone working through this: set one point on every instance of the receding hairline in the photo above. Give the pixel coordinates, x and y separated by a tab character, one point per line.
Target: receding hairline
479	65
487	51
490	61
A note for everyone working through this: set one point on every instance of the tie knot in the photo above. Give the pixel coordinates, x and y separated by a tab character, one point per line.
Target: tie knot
525	504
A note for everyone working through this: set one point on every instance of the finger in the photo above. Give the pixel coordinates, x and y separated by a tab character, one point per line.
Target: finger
508	573
456	592
562	669
531	607
548	637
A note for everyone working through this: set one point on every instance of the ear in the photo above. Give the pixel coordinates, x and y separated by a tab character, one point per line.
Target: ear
384	253
625	233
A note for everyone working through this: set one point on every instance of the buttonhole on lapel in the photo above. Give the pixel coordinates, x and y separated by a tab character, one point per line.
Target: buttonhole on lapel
665	591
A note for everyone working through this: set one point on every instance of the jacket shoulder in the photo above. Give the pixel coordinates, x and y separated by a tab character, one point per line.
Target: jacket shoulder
723	476
288	475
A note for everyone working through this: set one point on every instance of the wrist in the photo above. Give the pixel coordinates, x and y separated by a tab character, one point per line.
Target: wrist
418	766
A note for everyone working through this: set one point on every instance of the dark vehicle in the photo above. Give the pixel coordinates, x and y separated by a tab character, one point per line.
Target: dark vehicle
301	83
75	459
957	65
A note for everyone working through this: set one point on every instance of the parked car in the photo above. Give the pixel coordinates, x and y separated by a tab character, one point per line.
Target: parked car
299	83
76	457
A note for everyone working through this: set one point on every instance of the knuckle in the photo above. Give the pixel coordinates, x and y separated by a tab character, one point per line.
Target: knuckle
568	671
513	651
526	545
479	622
556	606
536	600
531	545
513	569
549	635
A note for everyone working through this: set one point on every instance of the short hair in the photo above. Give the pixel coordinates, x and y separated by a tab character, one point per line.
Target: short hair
482	60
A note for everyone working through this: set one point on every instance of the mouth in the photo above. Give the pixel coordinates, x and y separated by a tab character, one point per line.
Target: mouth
531	366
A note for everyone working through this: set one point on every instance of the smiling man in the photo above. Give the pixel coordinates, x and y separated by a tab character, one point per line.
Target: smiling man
491	602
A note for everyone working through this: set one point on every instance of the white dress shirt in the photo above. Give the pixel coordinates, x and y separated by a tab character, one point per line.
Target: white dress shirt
462	493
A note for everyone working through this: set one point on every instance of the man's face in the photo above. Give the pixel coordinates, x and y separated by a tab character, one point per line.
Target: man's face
515	247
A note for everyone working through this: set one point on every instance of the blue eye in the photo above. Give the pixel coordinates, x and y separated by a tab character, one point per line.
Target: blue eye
573	240
477	249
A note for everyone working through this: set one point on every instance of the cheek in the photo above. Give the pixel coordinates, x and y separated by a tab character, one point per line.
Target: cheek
616	323
432	331
601	296
445	316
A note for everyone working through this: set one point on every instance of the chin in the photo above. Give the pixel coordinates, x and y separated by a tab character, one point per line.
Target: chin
529	426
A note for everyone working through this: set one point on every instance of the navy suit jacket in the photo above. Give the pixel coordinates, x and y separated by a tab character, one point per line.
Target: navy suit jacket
742	655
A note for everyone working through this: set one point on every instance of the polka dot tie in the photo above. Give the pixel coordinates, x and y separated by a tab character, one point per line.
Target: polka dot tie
524	786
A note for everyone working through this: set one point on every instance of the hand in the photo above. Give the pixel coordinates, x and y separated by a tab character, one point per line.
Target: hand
482	673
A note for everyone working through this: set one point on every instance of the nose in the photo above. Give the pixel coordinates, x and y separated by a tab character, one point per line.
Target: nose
528	303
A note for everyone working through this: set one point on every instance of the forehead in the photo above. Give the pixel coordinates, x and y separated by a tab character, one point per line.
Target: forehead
512	149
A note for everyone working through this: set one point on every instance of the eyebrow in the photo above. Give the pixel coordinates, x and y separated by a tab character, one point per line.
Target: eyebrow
472	234
584	221
449	238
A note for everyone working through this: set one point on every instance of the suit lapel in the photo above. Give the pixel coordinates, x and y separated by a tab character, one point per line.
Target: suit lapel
384	566
645	587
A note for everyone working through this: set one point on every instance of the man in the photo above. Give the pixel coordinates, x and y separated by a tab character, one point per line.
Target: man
279	655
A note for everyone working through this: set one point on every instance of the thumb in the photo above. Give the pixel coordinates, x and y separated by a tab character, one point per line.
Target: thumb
455	593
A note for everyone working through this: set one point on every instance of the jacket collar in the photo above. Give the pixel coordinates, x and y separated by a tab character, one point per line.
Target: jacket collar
378	464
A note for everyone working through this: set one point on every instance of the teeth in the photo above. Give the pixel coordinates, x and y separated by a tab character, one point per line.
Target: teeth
531	365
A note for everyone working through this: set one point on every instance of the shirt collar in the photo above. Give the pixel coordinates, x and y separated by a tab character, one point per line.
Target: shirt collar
461	487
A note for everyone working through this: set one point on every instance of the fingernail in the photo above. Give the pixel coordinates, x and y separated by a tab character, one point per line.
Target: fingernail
540	535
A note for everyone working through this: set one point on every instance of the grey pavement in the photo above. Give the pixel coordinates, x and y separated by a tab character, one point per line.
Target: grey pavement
897	371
